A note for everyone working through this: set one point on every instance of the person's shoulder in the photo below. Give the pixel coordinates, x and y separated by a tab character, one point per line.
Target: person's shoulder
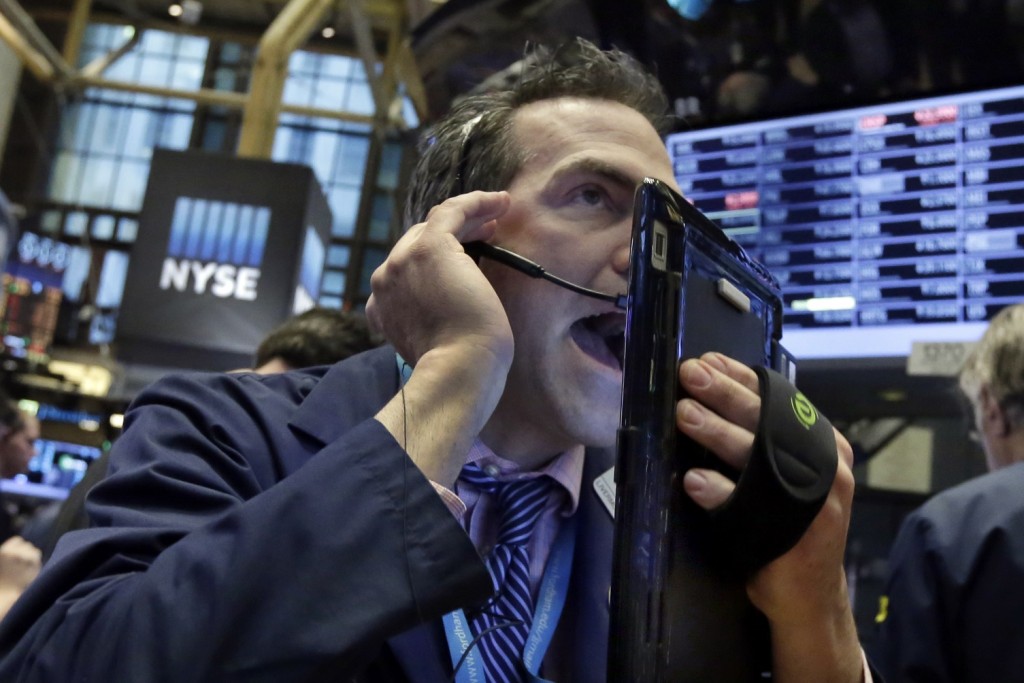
965	511
222	390
200	382
244	390
993	488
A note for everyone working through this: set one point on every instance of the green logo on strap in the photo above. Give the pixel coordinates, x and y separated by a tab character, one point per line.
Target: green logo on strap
804	410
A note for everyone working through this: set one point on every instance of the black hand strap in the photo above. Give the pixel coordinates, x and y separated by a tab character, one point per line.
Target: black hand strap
782	488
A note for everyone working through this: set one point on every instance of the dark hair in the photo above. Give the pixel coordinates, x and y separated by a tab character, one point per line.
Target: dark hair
577	69
319	336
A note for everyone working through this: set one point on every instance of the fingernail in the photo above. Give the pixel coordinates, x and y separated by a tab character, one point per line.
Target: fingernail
695	483
696	375
691	414
715	360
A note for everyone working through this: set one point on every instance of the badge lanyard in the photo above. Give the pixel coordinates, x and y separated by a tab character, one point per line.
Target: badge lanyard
554	587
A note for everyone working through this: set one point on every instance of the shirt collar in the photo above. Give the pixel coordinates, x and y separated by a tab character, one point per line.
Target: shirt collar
566	468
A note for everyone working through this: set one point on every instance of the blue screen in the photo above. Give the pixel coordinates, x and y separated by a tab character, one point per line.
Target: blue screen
55	469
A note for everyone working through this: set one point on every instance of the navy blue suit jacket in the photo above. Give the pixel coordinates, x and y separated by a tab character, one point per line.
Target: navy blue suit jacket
266	528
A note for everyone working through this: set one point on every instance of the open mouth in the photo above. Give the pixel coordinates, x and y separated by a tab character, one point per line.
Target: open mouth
601	337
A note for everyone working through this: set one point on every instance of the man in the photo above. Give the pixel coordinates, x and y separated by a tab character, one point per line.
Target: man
18	434
953	604
300	527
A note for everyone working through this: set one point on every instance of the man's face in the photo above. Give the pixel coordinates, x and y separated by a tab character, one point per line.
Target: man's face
571	212
19	447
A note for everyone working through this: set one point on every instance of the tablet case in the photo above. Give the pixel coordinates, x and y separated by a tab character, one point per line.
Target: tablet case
677	614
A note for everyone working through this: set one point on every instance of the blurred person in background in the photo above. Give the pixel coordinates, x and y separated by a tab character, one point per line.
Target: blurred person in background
955	595
18	434
319	336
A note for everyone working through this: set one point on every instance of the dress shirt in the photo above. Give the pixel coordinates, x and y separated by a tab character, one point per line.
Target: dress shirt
478	513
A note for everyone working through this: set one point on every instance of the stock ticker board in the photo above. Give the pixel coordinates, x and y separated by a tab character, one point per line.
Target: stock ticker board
903	214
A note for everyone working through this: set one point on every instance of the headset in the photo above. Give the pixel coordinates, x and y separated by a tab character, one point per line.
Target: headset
524	265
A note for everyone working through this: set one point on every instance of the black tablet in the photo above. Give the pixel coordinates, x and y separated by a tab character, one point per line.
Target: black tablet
676	615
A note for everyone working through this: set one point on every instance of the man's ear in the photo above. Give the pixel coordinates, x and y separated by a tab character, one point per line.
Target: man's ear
992	415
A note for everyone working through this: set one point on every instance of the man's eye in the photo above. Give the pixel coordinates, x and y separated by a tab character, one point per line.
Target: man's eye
591	196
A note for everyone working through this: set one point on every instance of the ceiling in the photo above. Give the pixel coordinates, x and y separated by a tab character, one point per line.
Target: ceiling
253	16
455	43
458	43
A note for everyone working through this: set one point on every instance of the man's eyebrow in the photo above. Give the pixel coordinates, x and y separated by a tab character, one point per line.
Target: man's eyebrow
592	166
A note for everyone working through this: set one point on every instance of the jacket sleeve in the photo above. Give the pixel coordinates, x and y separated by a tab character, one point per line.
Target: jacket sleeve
911	643
227	547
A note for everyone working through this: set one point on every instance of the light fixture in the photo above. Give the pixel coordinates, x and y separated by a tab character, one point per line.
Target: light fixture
328	32
186	11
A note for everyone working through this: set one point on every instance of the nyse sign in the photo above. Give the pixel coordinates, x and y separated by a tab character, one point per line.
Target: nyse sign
215	247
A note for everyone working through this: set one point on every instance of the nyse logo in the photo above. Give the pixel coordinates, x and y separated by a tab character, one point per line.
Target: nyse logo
220	279
215	247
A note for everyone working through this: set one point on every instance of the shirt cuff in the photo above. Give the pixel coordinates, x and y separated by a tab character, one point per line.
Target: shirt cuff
867	669
455	504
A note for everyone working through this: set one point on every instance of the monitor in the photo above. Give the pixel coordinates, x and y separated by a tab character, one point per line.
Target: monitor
885	225
55	469
32	293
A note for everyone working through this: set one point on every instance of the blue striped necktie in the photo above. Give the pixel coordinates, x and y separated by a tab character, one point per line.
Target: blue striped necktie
510	612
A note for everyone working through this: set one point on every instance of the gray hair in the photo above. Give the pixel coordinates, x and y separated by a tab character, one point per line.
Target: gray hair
998	363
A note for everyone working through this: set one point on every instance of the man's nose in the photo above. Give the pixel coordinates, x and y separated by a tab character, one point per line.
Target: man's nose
620	259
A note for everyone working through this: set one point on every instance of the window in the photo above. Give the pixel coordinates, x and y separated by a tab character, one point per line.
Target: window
107	137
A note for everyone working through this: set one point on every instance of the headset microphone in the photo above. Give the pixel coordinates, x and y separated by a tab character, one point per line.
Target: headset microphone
524	265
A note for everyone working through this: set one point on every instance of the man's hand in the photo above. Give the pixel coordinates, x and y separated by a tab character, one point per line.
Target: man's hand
442	315
429	294
20	562
803	593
